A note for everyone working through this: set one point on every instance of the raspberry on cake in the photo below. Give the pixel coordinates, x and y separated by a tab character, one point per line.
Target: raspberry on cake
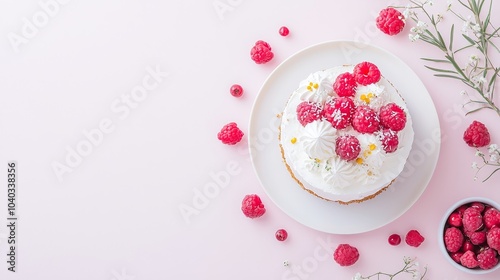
333	141
338	112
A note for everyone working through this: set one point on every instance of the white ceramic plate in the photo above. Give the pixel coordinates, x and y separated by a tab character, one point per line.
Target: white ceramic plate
310	210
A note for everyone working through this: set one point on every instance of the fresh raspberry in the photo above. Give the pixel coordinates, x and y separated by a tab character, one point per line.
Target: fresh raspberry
390	140
281	234
308	112
261	52
477	237
252	206
455	219
346	255
468	259
236	90
338	112
487	258
456	256
493	238
392	116
365	120
480	206
394	239
468	246
366	73
345	84
284	31
491	217
477	135
414	238
390	21
453	239
230	134
472	219
347	147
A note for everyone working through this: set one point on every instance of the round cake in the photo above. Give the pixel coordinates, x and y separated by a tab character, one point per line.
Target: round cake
345	133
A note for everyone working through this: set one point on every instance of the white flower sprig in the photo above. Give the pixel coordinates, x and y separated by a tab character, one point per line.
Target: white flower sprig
479	36
492	159
410	267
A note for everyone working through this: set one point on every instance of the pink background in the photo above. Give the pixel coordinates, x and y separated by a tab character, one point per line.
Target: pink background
116	214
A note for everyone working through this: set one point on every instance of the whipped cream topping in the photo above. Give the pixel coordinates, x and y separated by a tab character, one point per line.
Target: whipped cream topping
340	173
372	95
317	87
318	139
312	158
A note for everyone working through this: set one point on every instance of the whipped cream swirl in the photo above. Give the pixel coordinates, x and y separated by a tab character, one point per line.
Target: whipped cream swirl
318	139
340	173
317	87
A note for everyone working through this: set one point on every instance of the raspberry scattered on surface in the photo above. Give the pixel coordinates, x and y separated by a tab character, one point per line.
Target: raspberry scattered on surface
468	259
414	238
487	258
230	134
493	238
284	31
308	112
472	219
346	255
252	206
345	85
392	116
477	135
390	140
347	147
453	239
365	120
390	21
366	73
261	52
281	234
338	112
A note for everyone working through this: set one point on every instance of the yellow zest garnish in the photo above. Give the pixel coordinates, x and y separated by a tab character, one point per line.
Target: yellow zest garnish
367	97
372	147
317	160
359	161
367	153
309	88
293	140
315	86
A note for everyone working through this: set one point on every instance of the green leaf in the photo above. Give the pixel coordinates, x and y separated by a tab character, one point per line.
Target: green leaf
436	60
451	37
487	20
474	7
448	76
440	70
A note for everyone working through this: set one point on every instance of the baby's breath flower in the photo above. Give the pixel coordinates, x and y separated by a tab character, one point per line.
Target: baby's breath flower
493	148
474	165
413	37
479	154
494	158
357	276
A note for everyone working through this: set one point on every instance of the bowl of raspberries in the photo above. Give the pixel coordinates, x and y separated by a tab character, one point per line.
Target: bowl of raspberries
469	235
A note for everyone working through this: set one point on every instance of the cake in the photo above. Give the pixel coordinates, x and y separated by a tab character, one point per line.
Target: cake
345	133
